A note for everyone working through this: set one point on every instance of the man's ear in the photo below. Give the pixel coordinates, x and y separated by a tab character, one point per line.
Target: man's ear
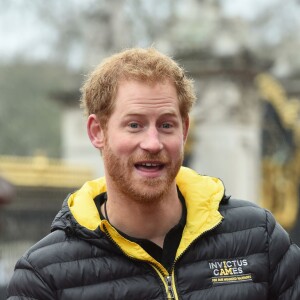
186	125
95	131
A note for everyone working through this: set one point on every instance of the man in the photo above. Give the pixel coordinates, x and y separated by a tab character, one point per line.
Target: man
152	229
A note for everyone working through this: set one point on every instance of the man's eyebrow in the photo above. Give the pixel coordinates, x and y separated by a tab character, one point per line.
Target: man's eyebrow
133	114
171	112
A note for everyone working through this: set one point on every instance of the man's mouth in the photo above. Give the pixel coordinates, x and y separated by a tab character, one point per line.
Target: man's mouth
149	166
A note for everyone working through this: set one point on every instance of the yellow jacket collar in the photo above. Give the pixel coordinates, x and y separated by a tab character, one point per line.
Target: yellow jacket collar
201	193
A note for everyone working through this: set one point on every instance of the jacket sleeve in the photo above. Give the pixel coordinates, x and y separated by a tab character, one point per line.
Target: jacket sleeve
27	284
284	259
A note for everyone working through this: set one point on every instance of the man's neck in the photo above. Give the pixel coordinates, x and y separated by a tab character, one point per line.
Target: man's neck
144	220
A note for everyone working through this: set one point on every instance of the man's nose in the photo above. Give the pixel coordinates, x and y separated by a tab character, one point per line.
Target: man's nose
151	141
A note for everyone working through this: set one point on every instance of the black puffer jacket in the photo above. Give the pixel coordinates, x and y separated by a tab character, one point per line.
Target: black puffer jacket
229	250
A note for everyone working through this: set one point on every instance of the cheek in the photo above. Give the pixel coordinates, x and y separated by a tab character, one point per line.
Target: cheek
121	145
175	145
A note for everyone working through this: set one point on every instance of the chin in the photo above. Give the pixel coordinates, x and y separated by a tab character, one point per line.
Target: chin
148	193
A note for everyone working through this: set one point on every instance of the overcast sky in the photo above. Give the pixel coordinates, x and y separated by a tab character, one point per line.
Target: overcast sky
22	31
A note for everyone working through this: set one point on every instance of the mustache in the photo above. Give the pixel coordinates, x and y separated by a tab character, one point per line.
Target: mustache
151	157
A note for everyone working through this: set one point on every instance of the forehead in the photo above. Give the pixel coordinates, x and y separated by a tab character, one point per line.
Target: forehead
136	94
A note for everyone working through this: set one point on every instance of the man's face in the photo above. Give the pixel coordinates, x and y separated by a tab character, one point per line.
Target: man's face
144	140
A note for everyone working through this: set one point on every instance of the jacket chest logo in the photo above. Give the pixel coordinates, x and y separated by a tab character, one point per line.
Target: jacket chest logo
229	271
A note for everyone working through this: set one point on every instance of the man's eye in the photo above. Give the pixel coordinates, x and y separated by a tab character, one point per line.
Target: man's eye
166	125
133	125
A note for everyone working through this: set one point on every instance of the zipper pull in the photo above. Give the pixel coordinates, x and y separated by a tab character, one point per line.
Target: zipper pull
170	288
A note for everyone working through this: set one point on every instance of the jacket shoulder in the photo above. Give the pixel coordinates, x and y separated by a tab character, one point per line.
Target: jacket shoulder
60	247
46	250
242	215
257	228
229	203
28	279
45	267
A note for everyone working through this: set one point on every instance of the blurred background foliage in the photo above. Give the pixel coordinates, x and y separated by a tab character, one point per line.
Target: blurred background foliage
29	121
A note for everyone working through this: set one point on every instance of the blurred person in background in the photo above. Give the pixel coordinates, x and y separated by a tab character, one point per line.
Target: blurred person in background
152	229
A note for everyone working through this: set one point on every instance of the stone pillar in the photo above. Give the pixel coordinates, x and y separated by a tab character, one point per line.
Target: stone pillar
76	146
227	121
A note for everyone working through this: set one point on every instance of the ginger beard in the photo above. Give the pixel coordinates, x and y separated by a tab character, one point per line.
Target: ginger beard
145	190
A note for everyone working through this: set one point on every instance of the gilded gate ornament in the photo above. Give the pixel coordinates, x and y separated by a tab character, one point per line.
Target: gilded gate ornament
281	159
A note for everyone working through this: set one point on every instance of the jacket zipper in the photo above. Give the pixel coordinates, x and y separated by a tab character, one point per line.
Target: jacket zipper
170	288
168	279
